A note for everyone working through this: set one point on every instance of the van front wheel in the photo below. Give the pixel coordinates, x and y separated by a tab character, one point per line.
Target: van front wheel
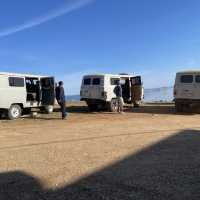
14	112
48	109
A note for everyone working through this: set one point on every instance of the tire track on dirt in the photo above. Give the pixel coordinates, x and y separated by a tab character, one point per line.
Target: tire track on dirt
93	138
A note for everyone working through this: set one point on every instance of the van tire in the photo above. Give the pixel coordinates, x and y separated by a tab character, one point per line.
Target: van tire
113	105
179	107
92	107
14	112
48	109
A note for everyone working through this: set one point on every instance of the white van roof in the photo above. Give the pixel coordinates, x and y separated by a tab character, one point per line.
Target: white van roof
17	74
189	72
110	75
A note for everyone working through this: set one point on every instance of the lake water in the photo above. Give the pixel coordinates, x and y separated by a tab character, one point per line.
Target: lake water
164	94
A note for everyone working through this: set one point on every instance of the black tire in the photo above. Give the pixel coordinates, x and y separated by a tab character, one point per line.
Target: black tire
179	107
14	112
48	109
113	105
1	115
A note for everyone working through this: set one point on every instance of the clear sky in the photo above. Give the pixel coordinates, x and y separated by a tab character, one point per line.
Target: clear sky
69	38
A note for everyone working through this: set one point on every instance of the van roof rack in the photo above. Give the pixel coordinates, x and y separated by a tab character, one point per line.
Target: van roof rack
123	74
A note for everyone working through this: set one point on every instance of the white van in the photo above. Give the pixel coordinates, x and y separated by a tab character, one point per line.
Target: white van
21	92
187	89
97	90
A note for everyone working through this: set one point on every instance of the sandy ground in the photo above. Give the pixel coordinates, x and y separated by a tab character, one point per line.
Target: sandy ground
147	153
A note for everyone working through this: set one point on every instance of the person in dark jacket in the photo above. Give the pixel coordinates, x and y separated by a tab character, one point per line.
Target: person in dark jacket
118	93
60	97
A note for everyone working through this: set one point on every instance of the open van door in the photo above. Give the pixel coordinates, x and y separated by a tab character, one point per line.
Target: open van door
136	90
136	81
47	90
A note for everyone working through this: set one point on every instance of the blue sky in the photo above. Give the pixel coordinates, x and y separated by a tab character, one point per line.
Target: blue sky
69	38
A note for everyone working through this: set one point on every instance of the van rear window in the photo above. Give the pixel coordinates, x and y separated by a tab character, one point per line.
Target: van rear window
16	82
87	81
197	79
96	81
187	79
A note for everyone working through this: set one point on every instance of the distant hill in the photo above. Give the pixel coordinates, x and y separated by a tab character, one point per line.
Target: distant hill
150	95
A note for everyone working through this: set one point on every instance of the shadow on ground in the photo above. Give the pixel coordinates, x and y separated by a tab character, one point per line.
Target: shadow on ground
146	108
154	109
77	109
167	170
164	109
80	110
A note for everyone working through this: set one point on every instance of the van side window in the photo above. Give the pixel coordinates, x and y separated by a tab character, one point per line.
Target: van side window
87	81
186	78
96	81
16	82
197	79
114	81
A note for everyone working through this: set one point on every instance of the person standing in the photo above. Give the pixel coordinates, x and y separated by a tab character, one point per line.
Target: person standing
60	97
118	92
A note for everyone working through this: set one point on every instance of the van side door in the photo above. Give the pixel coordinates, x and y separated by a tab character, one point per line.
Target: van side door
137	91
47	90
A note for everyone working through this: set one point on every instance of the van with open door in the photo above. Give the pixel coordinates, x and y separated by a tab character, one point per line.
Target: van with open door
187	89
97	90
21	92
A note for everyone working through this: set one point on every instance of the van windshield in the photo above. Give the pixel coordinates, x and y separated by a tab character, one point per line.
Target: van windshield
186	78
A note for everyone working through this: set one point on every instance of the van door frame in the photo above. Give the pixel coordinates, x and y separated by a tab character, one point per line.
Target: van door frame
51	92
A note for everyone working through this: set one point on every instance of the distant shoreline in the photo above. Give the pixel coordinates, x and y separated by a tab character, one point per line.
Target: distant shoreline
162	94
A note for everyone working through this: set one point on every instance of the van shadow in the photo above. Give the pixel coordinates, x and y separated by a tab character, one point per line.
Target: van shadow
80	110
77	109
153	109
162	109
169	169
74	109
147	108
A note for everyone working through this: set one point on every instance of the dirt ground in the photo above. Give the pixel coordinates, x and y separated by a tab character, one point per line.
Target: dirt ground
146	153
